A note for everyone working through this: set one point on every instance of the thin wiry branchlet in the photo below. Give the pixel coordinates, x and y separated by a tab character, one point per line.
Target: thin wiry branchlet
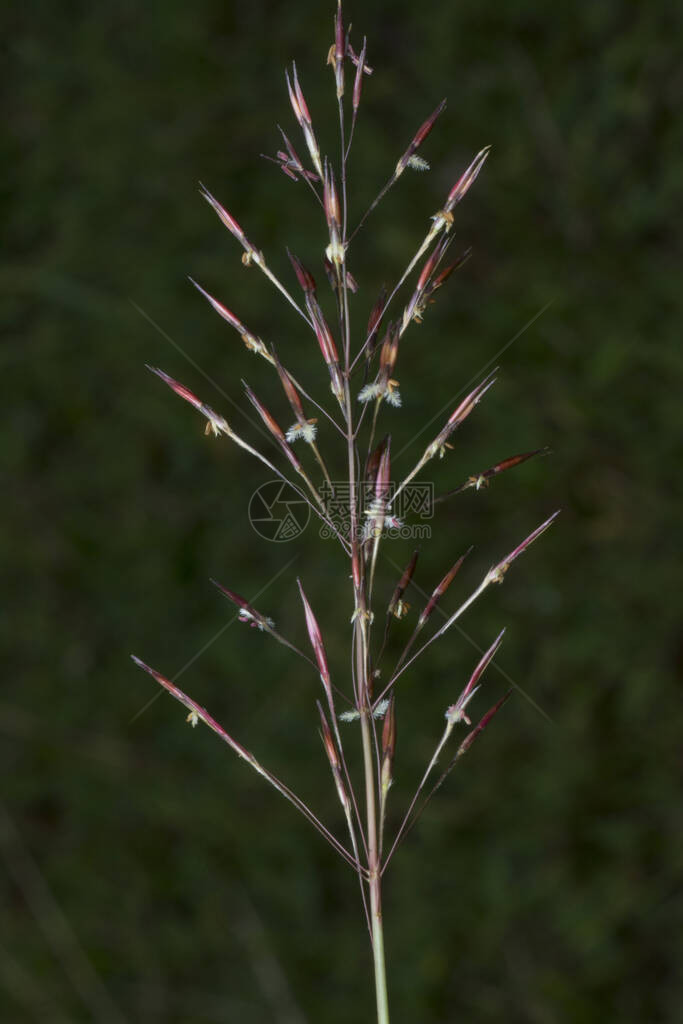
198	713
355	59
290	162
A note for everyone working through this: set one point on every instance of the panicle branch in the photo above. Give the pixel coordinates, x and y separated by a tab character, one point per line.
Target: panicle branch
251	254
199	714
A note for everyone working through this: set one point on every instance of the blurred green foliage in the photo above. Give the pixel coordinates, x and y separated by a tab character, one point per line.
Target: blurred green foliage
543	885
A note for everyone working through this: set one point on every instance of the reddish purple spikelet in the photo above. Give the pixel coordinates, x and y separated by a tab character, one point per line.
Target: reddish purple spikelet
388	745
374	461
303	276
227	219
383	481
216	424
252	343
179	388
335	250
389	352
468	404
315	636
322	331
377	310
466	180
481	480
497	574
290	391
440	590
300	108
328	742
337	51
443	276
389	730
221	309
431	263
416	306
375	322
247	613
269	420
327	345
273	426
397	606
358	81
460	414
417	140
333	758
196	711
456	713
481	725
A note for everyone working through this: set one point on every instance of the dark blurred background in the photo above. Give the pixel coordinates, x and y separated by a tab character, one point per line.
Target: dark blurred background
148	875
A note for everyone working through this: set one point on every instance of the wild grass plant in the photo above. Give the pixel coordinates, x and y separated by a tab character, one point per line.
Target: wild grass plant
359	511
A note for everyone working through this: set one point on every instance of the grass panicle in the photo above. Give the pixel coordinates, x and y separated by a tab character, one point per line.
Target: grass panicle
343	433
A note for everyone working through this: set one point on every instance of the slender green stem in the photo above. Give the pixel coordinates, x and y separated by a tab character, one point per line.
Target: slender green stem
375	882
378	952
361	641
